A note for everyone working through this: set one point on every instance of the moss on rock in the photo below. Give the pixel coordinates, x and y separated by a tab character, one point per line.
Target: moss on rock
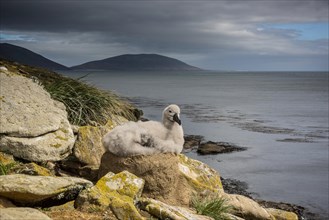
119	192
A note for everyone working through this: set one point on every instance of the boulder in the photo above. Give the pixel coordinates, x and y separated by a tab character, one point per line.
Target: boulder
88	148
164	211
281	214
31	169
117	191
166	175
33	127
211	147
192	141
41	190
22	213
246	208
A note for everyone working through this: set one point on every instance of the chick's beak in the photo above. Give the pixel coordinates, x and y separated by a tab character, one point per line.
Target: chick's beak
176	119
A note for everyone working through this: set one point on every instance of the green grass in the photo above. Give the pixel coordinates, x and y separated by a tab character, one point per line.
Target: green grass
5	168
212	206
85	104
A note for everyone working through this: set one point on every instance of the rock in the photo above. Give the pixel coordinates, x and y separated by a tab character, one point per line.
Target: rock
117	191
211	147
31	169
175	179
3	68
27	110
41	190
74	214
164	211
246	208
166	175
53	146
67	206
33	126
302	212
192	141
282	215
74	167
233	186
199	175
22	213
88	147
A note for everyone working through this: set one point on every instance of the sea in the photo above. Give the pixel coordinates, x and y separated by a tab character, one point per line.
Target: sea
280	117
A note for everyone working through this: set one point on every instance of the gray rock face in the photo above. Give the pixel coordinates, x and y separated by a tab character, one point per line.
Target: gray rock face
33	126
32	190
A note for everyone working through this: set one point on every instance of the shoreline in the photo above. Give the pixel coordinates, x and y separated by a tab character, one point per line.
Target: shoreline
234	186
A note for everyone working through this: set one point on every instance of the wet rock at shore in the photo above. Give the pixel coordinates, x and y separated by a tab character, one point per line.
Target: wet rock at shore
233	186
192	141
211	147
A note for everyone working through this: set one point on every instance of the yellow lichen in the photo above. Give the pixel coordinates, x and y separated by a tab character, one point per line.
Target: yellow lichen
41	171
109	191
200	175
6	158
57	145
62	138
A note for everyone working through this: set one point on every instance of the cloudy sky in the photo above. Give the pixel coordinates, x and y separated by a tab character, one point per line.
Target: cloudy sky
219	35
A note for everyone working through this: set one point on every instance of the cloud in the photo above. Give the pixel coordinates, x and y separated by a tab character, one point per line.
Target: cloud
190	29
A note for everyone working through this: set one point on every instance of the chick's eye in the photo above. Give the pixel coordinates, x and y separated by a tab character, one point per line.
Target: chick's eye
170	111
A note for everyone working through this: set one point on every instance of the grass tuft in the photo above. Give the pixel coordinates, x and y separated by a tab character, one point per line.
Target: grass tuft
212	206
86	104
5	168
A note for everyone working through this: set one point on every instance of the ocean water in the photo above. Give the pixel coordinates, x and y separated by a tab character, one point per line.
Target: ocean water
281	117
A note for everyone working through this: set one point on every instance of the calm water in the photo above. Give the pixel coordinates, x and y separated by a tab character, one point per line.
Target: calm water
282	118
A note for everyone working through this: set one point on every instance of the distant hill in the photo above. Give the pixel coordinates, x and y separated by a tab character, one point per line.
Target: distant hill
138	62
25	56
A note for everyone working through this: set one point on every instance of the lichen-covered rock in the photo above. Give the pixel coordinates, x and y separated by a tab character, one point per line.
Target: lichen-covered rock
117	191
88	147
199	175
33	126
22	213
31	169
34	190
53	146
165	211
166	175
281	214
